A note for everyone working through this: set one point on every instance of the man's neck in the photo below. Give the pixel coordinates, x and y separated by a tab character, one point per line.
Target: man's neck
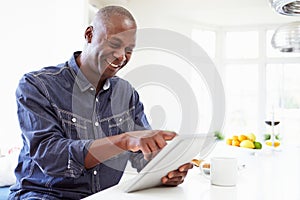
91	76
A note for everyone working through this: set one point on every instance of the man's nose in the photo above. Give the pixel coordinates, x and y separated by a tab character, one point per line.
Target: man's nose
120	56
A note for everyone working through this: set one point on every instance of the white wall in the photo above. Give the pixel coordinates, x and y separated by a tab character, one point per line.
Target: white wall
39	33
34	34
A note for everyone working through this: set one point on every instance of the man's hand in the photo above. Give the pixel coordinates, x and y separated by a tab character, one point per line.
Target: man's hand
150	142
176	177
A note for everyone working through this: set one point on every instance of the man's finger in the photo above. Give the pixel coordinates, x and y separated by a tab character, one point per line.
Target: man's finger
160	141
152	145
168	135
164	180
175	174
172	181
176	179
186	167
146	151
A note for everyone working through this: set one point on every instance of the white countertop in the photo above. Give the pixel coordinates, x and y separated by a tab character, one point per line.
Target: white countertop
267	176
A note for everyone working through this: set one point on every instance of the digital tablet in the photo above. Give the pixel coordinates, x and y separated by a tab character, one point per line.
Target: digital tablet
182	149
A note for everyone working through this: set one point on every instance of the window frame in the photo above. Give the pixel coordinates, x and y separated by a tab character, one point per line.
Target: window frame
262	61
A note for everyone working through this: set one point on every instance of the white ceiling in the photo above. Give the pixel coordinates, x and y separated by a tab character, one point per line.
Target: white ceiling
208	12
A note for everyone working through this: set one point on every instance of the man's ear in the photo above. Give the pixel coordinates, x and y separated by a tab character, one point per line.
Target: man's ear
88	34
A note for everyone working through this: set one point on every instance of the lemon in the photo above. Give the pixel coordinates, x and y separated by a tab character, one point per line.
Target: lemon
269	143
242	137
235	137
251	137
235	143
247	144
229	141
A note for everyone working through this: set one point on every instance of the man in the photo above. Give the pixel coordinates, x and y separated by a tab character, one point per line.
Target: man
81	124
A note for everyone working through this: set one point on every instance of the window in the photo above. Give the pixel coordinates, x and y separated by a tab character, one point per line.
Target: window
259	80
241	45
283	95
241	81
206	39
241	89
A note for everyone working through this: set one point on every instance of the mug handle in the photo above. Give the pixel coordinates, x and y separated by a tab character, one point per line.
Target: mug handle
205	175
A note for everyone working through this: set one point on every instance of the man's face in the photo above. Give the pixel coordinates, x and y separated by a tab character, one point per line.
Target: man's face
112	49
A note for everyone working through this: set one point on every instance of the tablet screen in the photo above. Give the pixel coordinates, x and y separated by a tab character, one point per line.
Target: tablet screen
182	149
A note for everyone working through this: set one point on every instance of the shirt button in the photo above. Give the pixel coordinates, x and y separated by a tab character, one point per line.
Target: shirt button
95	172
97	100
92	89
96	123
74	119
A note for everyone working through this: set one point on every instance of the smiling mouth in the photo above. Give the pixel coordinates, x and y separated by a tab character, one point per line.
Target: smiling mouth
115	65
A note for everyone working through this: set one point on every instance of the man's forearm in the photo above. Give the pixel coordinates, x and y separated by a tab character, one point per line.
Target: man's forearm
150	142
104	149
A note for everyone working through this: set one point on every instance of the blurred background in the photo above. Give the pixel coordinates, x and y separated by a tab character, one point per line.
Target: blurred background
261	83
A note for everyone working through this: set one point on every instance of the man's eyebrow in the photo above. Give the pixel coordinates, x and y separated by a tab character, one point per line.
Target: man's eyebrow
115	39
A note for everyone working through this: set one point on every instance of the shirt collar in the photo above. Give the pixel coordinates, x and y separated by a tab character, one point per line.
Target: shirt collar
80	78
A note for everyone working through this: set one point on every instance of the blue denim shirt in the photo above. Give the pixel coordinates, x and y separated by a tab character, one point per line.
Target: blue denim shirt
60	115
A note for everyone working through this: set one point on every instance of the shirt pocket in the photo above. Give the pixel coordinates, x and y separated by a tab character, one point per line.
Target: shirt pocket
75	126
120	123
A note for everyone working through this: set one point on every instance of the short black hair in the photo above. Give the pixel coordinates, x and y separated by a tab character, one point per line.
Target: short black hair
104	16
107	11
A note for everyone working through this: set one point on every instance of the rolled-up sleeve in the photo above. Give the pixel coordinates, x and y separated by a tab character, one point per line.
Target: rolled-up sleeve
43	134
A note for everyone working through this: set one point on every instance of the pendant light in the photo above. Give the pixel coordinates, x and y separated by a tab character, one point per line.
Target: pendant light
286	7
287	37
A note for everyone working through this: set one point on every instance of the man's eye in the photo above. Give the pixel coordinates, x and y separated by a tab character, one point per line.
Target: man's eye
128	50
114	45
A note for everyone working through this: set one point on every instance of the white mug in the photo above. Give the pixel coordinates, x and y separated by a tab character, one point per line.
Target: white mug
223	171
